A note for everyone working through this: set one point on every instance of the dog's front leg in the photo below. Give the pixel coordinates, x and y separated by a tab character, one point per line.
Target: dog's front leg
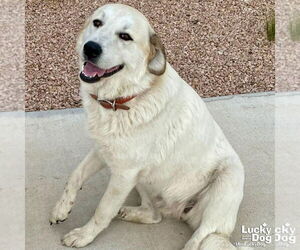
119	187
91	164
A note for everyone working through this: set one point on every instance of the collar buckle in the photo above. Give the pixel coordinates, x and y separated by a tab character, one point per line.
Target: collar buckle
111	103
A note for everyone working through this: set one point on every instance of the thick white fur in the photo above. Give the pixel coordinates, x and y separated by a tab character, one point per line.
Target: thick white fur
167	145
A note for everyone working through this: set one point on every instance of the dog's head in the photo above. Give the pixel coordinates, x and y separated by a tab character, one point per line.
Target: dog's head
117	44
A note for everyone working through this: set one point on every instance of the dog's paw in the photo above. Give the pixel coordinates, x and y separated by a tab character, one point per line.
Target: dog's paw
60	212
139	215
130	213
79	237
122	213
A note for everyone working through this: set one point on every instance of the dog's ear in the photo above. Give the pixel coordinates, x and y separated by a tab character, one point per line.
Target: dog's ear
157	56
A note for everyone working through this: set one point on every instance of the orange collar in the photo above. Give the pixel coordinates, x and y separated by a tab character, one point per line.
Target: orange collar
114	104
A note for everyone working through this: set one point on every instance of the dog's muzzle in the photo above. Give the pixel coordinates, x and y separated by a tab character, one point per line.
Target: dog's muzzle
92	73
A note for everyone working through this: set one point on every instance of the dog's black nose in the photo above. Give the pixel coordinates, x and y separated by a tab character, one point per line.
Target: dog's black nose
92	50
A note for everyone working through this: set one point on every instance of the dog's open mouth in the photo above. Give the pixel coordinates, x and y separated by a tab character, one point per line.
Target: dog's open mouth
92	73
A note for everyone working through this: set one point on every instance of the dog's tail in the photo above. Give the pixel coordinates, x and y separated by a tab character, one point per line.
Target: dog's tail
216	241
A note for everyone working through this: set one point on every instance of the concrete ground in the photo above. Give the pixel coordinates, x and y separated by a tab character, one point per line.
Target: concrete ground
56	141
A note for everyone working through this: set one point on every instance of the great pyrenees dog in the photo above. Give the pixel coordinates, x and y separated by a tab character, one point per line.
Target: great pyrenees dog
154	133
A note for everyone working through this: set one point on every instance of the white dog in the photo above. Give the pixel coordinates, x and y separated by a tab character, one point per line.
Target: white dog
154	133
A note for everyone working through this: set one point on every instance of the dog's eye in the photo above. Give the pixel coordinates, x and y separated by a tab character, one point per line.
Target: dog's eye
97	23
125	36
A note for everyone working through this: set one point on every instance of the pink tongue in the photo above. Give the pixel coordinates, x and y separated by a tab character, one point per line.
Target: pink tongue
92	70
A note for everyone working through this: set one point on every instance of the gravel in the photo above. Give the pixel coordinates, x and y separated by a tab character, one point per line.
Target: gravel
219	47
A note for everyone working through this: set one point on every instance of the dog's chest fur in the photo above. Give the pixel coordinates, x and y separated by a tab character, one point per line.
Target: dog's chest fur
124	135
